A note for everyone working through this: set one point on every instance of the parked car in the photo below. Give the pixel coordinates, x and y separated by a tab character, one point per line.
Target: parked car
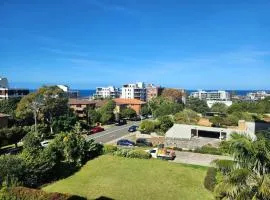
13	151
137	118
96	129
120	122
143	142
124	142
132	128
162	153
45	143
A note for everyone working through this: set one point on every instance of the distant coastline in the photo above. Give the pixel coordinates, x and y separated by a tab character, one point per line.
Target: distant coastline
87	93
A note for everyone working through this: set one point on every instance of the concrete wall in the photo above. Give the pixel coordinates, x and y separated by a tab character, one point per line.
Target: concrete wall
193	143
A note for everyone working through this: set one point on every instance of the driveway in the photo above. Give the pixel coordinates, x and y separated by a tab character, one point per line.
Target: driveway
197	158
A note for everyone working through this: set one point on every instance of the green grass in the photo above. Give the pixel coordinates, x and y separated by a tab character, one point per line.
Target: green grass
122	178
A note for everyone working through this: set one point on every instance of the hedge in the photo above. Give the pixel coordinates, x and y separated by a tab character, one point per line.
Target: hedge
108	148
207	149
210	179
23	193
137	153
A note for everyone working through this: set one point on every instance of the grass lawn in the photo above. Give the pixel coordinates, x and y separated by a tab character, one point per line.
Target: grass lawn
122	178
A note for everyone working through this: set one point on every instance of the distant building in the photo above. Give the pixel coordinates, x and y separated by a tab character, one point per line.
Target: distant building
107	92
4	83
71	94
7	93
134	91
153	91
213	97
80	107
259	95
135	104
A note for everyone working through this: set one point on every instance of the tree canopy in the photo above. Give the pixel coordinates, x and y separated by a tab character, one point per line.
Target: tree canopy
197	105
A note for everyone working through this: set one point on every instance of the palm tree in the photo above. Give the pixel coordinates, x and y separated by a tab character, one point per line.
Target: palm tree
247	177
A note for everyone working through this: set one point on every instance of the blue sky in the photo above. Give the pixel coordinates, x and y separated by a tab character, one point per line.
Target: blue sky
189	44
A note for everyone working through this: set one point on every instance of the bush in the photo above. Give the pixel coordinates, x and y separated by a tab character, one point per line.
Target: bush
210	179
137	153
147	126
208	149
108	148
23	193
177	149
121	152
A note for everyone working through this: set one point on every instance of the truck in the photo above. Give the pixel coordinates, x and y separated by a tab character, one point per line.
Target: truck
162	153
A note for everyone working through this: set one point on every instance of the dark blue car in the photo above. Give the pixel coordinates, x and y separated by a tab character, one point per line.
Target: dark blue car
132	128
125	142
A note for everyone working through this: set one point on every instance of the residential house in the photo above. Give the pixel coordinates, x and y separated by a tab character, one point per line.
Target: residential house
135	104
80	107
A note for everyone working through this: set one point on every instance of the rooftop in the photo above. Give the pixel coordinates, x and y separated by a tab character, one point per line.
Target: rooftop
80	102
121	101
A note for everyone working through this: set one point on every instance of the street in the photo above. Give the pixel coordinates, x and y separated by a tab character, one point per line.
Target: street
112	133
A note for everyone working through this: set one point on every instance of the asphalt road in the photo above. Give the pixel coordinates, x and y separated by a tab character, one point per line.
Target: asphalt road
112	133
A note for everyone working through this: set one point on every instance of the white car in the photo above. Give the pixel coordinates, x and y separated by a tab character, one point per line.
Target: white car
45	143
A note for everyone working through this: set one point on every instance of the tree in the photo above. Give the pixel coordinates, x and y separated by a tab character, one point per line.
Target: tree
107	112
172	94
248	177
64	123
147	126
145	111
165	123
219	107
197	105
11	135
93	116
128	113
187	116
8	106
167	108
217	121
46	104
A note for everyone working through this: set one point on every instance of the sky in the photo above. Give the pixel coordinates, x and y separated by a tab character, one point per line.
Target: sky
191	44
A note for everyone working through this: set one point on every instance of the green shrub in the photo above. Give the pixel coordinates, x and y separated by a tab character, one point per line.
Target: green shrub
224	147
210	179
208	149
137	153
23	193
121	152
108	148
177	149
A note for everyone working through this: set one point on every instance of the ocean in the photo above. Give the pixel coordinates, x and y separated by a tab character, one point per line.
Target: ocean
90	92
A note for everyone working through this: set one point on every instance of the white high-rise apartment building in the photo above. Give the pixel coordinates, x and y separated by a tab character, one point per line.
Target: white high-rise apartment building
220	95
213	97
6	92
107	92
134	91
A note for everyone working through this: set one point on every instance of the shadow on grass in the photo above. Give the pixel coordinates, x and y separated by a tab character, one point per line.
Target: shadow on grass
104	198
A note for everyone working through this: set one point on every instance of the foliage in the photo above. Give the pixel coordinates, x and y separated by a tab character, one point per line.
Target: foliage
121	152
172	94
128	113
108	148
145	110
224	166
147	126
106	111
165	123
11	135
210	179
219	107
23	193
93	116
12	167
197	105
167	108
248	176
217	121
8	106
138	153
187	116
208	149
260	107
64	123
46	104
